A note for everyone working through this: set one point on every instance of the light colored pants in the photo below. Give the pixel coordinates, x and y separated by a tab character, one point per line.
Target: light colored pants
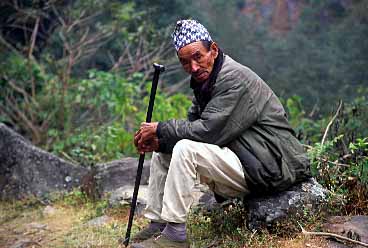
173	177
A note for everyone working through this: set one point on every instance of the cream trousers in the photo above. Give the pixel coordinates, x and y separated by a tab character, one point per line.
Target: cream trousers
173	177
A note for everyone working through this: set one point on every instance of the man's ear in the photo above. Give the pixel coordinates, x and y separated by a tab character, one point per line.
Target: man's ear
214	49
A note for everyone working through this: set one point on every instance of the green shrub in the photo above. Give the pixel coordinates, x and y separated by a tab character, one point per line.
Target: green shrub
112	107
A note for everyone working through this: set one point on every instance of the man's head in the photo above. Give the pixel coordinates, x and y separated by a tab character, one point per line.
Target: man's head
195	49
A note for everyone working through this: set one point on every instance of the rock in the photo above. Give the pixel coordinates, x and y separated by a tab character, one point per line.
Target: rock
270	211
353	227
99	221
27	170
116	174
125	194
300	200
49	211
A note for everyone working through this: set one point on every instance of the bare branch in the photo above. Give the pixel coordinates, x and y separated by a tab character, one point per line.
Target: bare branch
14	25
334	163
21	116
120	59
130	57
331	122
58	16
10	47
175	88
33	37
332	235
81	21
17	88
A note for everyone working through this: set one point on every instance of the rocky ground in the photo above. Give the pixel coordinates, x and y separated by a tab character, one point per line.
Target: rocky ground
50	202
69	224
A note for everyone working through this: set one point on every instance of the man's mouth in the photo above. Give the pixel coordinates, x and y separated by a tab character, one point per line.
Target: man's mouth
200	76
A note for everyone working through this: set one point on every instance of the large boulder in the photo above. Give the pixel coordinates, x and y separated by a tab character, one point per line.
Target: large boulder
27	170
113	178
281	209
113	175
302	200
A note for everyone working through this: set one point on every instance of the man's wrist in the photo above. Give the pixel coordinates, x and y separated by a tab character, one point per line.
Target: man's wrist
161	143
158	130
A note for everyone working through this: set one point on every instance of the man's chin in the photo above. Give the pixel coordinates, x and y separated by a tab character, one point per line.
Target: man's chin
201	79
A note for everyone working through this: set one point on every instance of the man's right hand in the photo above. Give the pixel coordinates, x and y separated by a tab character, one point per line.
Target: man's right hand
137	137
145	145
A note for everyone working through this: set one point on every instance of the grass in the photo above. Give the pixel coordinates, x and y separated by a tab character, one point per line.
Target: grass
67	227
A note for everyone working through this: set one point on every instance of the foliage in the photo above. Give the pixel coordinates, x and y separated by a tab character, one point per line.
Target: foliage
112	107
39	78
310	127
345	175
223	220
224	225
74	198
340	162
321	58
317	59
25	102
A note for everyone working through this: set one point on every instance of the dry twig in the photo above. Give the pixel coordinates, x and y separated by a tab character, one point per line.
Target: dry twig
330	123
333	235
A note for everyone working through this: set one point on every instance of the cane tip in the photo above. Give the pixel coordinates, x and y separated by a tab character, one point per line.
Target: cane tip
123	242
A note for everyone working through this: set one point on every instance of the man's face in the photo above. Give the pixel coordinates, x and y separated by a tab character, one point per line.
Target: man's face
197	60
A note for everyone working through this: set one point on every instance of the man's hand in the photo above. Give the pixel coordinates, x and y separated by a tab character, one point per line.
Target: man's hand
145	139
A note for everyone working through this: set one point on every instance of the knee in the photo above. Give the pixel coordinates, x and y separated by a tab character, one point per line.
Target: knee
184	147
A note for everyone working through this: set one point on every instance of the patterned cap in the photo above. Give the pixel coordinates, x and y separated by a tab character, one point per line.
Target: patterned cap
189	31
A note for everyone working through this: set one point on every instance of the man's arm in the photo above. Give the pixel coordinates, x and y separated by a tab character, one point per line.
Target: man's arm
217	123
193	112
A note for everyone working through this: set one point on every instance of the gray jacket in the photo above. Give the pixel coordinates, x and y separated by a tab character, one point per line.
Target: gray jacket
245	115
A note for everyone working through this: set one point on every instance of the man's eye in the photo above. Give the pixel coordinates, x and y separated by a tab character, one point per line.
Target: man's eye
184	62
197	56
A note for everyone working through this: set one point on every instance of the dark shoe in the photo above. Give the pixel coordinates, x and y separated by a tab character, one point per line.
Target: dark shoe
147	233
161	242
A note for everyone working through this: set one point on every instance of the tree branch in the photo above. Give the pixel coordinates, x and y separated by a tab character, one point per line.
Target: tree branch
331	122
332	235
33	37
21	116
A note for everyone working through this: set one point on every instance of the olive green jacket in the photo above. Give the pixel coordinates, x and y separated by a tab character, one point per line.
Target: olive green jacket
245	115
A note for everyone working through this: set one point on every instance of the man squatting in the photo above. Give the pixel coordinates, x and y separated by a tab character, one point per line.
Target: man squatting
236	139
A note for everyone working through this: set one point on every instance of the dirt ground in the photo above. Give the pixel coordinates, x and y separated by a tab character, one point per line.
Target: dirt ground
65	226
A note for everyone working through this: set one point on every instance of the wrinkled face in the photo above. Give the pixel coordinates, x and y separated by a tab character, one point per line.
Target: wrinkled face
197	60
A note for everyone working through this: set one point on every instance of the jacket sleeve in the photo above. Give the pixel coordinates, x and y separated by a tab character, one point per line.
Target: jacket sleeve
193	112
230	111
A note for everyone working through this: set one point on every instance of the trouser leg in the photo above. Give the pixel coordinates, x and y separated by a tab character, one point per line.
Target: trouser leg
158	172
220	168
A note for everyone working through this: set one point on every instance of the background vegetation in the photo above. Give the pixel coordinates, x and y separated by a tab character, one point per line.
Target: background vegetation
74	76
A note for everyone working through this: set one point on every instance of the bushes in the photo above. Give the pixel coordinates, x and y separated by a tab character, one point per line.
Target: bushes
107	109
340	163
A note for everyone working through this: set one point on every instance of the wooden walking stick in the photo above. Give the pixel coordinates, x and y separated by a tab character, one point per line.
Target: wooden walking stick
158	70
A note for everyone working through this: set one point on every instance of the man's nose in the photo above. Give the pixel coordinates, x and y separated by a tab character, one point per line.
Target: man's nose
194	66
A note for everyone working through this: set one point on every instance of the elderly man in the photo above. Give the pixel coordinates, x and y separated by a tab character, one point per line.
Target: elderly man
236	139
